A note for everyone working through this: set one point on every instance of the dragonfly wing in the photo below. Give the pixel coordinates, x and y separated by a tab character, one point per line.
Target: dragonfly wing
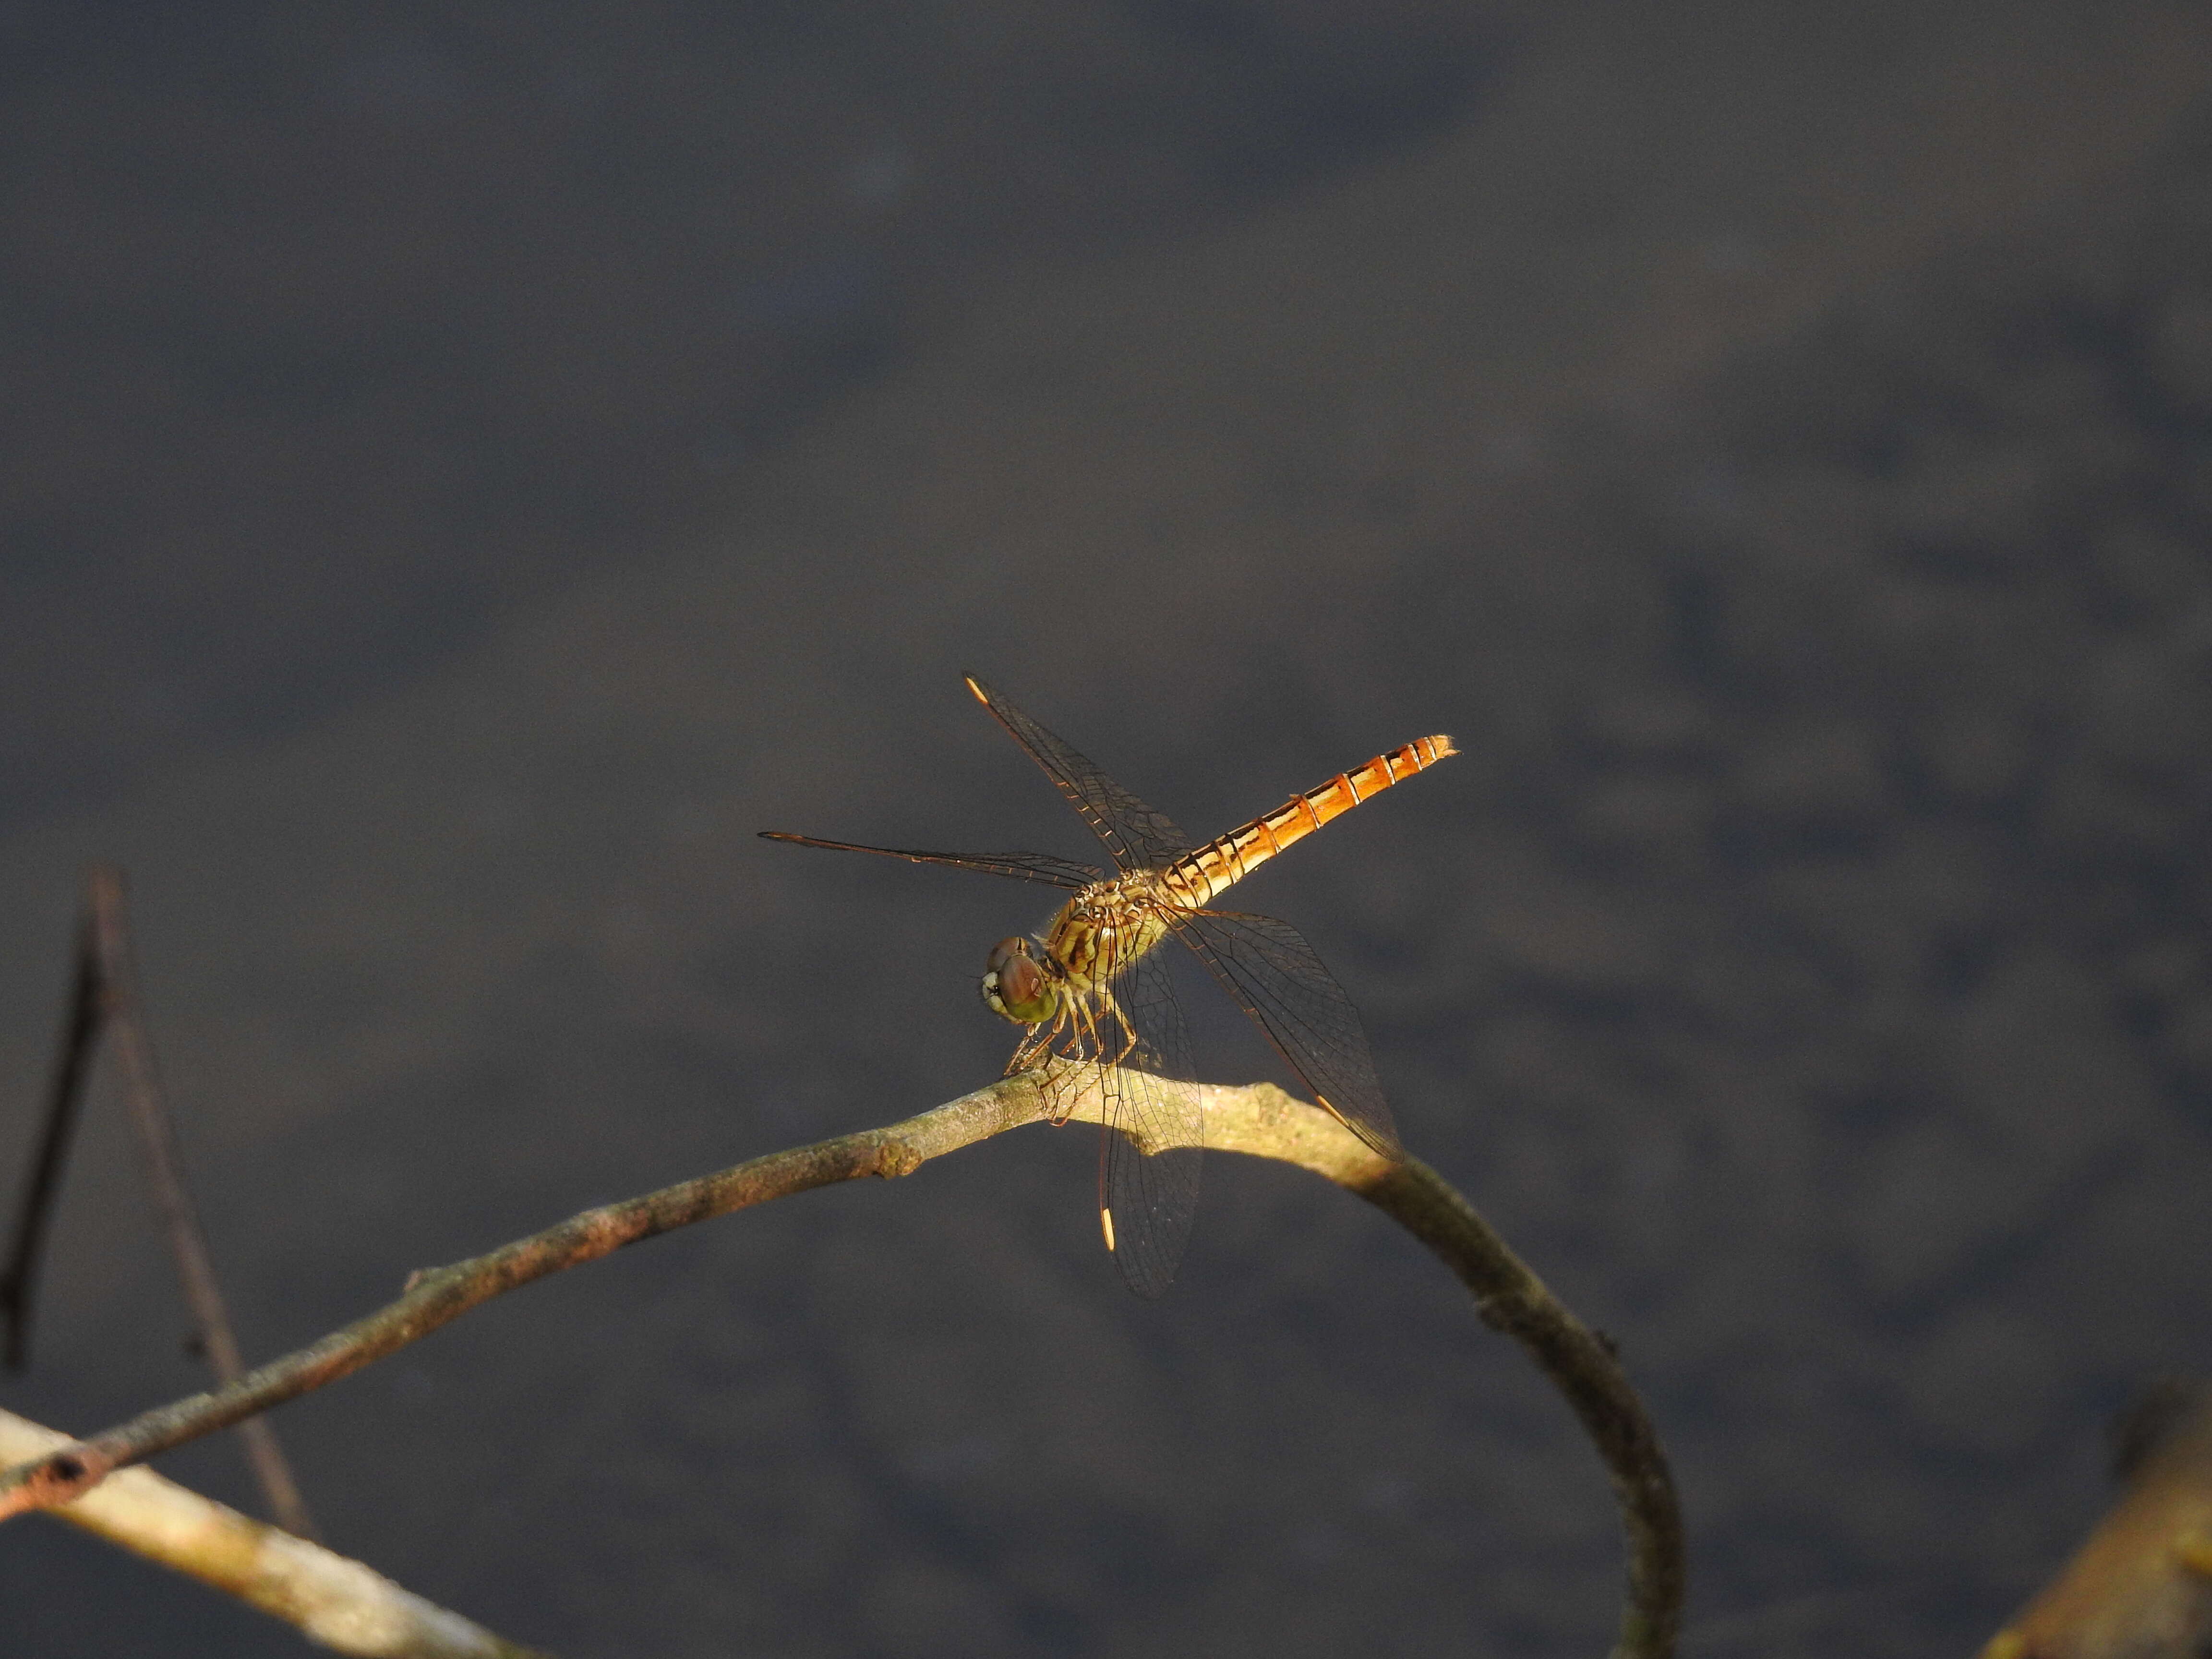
1139	837
1152	1198
1277	978
1021	866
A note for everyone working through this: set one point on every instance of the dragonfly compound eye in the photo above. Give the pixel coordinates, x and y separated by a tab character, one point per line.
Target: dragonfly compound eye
1016	986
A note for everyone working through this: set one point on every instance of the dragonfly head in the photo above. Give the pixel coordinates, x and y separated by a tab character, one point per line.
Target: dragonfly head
1018	987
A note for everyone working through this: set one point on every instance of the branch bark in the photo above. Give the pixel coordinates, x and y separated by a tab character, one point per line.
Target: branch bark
1259	1120
2141	1586
329	1599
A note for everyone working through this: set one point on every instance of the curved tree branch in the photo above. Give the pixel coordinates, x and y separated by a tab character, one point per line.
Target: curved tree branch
332	1601
1259	1120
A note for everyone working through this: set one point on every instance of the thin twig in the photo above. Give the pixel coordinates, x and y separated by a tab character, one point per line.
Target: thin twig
331	1599
19	1282
1259	1119
103	993
157	1140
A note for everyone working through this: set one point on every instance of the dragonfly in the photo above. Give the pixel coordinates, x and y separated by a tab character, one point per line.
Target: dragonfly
1099	1011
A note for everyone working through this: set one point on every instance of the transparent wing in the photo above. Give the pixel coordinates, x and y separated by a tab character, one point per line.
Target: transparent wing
1021	866
1153	1198
1139	837
1276	977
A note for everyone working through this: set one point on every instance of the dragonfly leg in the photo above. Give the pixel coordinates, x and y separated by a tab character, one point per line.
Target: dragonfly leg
1112	1010
1081	1042
1037	1045
1031	1049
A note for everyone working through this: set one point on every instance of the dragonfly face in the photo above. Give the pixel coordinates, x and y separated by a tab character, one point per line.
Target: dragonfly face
1017	986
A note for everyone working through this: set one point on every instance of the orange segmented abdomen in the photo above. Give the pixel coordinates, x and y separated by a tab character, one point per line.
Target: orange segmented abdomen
1194	879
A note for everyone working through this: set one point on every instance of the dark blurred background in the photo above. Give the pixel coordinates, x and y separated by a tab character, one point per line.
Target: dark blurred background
468	467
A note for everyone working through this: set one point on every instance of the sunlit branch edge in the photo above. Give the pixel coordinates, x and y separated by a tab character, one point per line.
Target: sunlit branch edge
1257	1119
335	1601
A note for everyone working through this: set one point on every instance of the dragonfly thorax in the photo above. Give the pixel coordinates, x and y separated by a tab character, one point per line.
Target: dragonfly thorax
1105	927
1097	935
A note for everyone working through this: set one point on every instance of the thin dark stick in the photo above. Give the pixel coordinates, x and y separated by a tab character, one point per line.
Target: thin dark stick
19	1282
157	1138
1259	1119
